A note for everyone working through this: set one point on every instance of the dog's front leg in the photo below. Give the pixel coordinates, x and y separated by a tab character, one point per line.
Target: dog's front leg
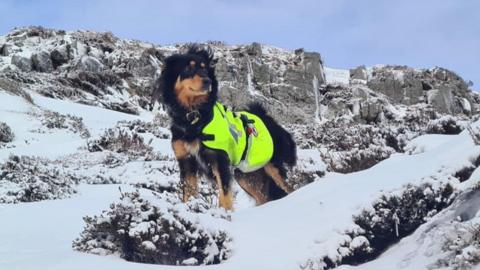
188	177
219	164
188	169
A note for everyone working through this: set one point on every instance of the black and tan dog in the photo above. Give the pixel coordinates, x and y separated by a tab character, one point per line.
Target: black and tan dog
188	87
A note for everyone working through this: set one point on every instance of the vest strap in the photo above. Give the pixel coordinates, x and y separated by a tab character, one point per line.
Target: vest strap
207	137
246	123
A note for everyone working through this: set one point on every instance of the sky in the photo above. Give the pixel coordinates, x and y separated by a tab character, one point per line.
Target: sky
347	33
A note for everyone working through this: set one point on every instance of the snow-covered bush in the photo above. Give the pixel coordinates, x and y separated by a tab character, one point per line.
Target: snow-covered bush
474	133
128	137
463	248
28	179
157	127
159	187
55	120
392	217
121	140
6	134
309	168
350	147
445	125
158	233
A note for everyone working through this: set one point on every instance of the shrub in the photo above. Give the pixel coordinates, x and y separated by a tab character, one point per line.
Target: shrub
445	125
6	134
27	179
122	141
55	120
139	231
376	229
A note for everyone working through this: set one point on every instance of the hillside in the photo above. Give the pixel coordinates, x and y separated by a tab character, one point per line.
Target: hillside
386	162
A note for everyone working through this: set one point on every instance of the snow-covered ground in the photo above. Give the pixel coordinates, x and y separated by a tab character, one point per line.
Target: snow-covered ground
290	233
337	76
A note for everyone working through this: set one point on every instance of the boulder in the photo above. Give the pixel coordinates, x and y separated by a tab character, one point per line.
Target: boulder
90	64
6	49
255	49
370	110
42	62
358	74
399	83
23	63
441	99
313	65
60	55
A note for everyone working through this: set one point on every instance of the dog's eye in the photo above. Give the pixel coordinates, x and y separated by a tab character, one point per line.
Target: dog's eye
202	65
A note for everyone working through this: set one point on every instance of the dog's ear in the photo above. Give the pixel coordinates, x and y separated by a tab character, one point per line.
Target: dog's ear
205	52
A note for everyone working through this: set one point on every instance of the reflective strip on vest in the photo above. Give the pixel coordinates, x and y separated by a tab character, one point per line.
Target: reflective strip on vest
230	136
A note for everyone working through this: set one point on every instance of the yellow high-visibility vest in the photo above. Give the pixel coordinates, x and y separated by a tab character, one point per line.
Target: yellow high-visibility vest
247	152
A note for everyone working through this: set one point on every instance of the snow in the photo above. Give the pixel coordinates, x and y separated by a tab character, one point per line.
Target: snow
337	76
426	143
306	225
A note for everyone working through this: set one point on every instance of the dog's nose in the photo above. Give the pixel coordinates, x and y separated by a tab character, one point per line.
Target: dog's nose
206	82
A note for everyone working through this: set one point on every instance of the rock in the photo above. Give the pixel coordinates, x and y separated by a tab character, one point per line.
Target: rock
255	49
441	99
262	73
6	49
397	82
42	62
147	65
466	106
89	63
358	74
23	63
370	110
313	65
60	55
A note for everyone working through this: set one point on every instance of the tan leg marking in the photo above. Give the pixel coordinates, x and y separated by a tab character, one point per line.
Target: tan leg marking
277	178
189	187
179	149
225	198
183	149
254	187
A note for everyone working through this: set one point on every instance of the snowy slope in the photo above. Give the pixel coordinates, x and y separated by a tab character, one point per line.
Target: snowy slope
296	231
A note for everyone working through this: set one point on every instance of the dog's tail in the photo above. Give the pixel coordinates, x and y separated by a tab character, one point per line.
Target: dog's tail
285	149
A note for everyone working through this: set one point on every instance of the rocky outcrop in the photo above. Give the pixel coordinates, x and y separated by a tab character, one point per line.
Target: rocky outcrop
441	88
99	69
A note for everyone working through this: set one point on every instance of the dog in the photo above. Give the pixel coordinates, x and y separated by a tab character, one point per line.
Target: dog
188	87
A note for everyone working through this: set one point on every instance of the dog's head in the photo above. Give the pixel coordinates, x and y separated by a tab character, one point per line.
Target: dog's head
188	79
